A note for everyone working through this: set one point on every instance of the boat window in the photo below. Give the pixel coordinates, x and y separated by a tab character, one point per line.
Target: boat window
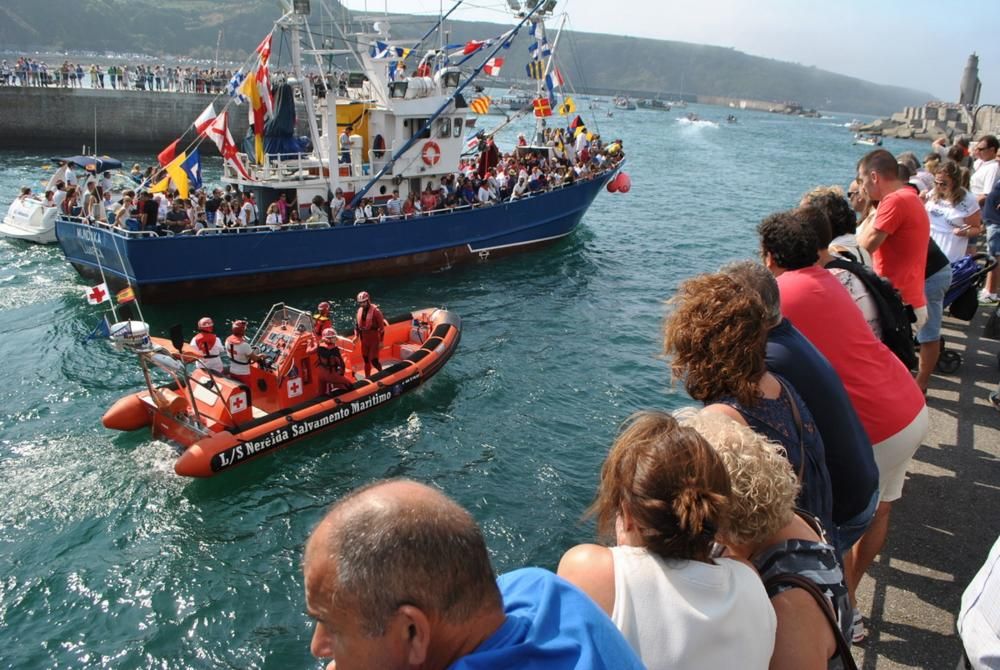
444	127
456	129
414	126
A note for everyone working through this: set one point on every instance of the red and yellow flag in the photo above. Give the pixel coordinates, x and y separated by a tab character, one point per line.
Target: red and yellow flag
542	107
480	105
127	294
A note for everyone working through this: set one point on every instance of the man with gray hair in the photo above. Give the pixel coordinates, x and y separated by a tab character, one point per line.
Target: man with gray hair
397	576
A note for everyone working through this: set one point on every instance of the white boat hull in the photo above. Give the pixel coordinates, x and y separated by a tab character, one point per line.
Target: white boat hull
30	221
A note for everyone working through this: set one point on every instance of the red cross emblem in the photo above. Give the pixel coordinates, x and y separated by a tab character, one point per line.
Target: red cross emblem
238	403
294	388
97	294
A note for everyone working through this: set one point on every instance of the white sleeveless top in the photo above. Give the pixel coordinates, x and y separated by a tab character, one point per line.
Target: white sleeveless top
688	614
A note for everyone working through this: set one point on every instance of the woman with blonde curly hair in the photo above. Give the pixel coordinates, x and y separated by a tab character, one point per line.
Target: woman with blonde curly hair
762	527
716	337
663	494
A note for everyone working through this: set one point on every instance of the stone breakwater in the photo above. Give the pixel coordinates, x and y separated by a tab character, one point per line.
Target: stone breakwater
64	120
935	120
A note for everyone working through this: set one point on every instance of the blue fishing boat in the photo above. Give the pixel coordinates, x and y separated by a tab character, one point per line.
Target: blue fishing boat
372	133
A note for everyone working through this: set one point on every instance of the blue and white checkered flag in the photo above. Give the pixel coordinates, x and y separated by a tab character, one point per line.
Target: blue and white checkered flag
233	87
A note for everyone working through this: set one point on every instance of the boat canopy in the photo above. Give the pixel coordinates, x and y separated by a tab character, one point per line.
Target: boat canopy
92	163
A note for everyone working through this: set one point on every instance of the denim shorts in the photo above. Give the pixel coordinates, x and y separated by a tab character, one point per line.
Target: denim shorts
935	288
849	532
993	239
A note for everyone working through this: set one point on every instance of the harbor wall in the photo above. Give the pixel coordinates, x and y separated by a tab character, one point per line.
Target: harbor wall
63	120
931	121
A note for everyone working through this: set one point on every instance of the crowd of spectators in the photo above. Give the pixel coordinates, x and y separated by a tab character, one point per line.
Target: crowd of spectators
35	72
733	534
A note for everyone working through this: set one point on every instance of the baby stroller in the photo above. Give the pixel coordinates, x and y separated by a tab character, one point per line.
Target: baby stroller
968	274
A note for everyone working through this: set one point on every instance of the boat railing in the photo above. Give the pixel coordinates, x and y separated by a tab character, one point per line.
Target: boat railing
304	225
115	230
278	167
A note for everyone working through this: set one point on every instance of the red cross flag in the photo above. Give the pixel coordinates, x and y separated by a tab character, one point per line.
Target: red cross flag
237	402
294	388
98	294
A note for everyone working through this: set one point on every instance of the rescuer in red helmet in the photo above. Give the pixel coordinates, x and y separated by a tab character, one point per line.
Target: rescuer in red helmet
330	366
321	320
240	353
208	345
370	328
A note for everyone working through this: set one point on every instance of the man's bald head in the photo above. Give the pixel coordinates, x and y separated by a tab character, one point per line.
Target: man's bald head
399	542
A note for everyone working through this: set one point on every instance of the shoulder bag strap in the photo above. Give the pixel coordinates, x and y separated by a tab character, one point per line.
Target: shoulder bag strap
798	581
798	427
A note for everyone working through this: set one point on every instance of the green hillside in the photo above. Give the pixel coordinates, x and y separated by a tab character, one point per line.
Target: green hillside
193	28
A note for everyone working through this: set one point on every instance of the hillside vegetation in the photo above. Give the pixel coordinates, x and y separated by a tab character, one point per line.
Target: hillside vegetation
192	28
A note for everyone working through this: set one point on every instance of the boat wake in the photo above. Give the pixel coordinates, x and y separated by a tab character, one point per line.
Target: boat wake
700	123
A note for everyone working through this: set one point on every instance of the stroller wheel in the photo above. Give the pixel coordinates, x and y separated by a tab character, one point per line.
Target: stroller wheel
949	362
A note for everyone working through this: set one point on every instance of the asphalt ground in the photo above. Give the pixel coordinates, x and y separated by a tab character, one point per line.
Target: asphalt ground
943	528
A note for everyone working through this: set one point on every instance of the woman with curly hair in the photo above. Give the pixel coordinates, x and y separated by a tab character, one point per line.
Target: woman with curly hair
762	527
663	494
716	337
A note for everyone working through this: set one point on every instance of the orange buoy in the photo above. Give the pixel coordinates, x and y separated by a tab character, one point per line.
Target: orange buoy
624	182
613	185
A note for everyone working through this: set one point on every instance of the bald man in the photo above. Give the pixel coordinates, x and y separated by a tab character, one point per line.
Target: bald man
397	576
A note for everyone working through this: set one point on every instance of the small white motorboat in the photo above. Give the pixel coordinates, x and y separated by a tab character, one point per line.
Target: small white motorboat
30	220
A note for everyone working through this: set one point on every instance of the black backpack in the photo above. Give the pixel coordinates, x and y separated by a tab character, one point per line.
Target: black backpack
895	317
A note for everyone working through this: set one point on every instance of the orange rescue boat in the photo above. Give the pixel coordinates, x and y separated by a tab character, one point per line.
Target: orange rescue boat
222	422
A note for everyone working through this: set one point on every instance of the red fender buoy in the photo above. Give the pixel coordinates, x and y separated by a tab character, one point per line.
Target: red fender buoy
624	183
613	185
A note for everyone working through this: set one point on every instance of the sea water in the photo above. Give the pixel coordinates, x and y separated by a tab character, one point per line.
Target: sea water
108	559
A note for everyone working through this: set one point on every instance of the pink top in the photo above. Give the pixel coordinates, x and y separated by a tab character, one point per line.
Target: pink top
902	257
881	389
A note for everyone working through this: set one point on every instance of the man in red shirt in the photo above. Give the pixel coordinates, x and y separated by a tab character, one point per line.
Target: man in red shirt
898	238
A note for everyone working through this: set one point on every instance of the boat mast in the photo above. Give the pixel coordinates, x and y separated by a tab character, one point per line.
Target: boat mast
294	21
540	120
417	136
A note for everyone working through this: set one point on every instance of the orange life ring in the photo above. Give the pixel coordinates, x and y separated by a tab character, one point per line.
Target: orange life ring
431	153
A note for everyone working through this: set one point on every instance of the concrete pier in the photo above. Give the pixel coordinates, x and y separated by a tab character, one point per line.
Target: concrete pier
64	119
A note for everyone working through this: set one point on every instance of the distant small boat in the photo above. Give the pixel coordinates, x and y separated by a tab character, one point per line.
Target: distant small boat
731	118
868	140
623	102
654	104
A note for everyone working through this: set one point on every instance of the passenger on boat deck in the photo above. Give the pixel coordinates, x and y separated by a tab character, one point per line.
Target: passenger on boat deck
369	327
282	205
321	319
411	207
208	345
49	200
364	212
59	195
394	206
428	199
345	145
25	193
438	605
122	210
330	366
177	218
149	212
225	218
273	219
663	495
248	211
337	204
69	204
316	211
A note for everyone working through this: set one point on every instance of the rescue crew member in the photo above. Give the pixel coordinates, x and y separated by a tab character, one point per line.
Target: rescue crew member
330	366
208	345
369	328
321	320
239	352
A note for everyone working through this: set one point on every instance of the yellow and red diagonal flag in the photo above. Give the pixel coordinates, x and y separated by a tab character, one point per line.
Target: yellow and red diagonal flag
480	105
542	107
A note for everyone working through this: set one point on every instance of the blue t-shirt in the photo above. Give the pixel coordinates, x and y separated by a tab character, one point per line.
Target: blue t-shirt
990	213
849	457
551	625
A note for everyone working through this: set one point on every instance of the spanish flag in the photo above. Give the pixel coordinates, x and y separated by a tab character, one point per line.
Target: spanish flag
251	90
481	105
127	294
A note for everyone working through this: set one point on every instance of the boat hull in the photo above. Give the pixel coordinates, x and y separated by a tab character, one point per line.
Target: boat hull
165	269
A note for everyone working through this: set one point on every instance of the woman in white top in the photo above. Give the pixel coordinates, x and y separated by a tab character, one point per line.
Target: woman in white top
953	211
663	494
273	219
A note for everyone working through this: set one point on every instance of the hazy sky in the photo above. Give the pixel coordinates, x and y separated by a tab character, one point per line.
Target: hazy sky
919	44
